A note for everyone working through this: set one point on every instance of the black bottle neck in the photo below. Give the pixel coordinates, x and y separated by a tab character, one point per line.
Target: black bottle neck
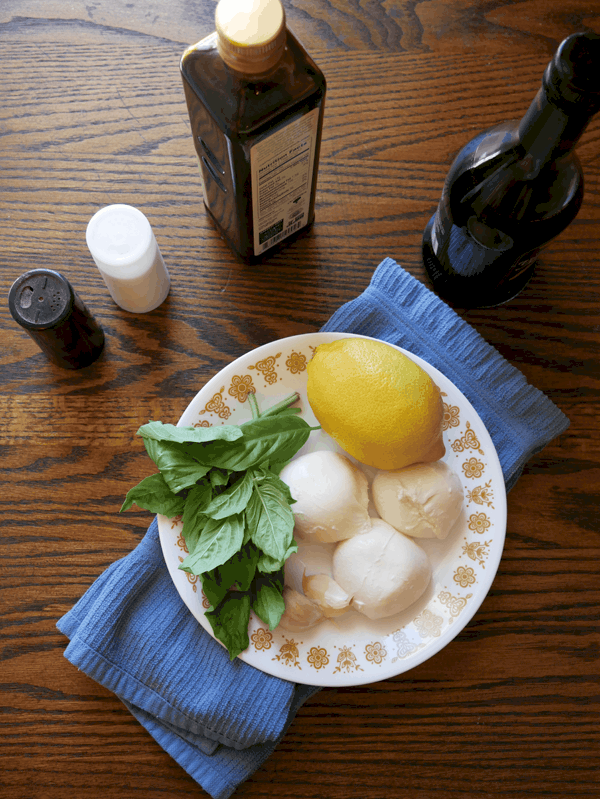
567	100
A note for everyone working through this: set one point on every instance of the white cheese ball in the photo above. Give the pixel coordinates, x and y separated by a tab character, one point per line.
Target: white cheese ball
382	569
332	497
423	500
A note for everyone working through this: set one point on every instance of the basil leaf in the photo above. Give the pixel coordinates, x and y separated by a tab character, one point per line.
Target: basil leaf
240	569
214	590
270	519
270	475
268	603
179	468
271	437
230	622
194	516
233	500
266	564
217	542
153	494
182	435
246	566
192	533
218	477
279	579
236	574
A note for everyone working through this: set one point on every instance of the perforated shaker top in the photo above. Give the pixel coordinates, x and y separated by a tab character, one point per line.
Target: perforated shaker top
40	299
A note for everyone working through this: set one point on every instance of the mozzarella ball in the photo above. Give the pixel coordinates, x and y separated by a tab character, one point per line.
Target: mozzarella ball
423	500
382	569
332	496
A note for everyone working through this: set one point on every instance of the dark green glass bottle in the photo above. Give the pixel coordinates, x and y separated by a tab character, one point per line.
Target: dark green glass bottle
515	187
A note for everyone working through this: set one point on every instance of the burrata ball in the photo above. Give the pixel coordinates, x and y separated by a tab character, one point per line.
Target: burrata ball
382	569
423	500
332	496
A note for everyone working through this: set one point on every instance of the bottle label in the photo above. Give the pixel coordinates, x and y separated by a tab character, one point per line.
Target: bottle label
282	168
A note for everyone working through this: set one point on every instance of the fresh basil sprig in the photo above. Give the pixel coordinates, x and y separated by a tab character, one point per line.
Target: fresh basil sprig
237	518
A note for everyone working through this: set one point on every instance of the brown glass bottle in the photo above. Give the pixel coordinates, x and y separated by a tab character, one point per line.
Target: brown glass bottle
514	187
257	138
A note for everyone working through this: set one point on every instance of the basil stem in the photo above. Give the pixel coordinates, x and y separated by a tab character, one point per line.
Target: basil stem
253	405
280	405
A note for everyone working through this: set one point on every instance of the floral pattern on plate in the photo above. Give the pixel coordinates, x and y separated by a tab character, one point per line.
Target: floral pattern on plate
355	650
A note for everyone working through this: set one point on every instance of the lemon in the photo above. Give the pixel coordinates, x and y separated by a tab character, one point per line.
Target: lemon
379	405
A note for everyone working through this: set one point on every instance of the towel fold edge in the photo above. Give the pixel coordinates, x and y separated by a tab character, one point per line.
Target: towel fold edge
99	668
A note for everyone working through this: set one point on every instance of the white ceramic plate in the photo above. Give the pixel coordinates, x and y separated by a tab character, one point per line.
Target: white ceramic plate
355	650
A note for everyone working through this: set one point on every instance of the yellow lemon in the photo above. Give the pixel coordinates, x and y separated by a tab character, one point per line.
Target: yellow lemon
379	405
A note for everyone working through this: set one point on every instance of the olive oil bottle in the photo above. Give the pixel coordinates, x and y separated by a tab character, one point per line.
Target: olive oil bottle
255	100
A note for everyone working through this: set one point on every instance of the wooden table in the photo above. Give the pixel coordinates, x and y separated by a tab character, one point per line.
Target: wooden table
92	112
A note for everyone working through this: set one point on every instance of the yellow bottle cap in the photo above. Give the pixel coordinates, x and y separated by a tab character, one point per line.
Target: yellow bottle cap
251	34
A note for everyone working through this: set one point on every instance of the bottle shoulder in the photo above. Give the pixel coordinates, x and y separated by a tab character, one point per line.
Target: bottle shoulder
243	105
487	149
494	178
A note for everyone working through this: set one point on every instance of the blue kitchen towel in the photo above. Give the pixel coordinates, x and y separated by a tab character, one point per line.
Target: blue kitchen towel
131	632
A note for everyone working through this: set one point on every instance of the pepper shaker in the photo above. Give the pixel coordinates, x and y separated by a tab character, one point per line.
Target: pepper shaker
45	304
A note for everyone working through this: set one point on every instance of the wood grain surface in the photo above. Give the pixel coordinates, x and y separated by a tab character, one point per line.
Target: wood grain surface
92	112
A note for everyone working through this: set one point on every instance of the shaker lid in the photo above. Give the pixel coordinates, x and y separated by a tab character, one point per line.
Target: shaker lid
39	299
121	241
251	34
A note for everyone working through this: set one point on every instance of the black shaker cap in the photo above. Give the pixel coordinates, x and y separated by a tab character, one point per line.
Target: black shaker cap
40	299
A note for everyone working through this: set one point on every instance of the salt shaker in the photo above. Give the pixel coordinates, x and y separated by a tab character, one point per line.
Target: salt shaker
122	243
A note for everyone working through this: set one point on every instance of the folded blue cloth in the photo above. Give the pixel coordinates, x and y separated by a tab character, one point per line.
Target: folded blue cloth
132	633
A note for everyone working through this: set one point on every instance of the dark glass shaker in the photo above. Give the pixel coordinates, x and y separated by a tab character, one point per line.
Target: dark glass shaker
45	304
